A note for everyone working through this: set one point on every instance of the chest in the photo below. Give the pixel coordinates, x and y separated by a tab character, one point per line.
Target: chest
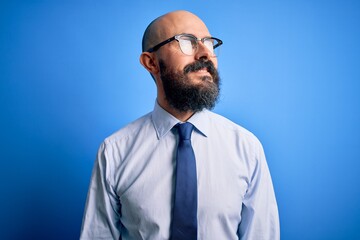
147	179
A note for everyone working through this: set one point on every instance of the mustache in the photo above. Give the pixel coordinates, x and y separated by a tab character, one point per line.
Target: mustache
200	64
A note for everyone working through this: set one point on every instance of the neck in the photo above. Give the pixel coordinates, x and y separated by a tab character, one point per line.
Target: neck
182	116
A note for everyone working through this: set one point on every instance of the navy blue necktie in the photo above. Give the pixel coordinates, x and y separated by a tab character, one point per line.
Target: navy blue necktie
184	221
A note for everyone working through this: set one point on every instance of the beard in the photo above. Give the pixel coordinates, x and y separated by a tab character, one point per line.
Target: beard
183	95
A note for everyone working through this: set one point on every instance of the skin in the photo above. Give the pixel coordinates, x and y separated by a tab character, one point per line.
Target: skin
166	27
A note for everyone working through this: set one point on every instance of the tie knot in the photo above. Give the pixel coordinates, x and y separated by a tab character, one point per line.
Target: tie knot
185	130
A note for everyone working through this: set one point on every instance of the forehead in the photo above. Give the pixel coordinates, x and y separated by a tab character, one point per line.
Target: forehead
177	23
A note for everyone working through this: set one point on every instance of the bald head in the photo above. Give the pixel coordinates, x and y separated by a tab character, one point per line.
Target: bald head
171	24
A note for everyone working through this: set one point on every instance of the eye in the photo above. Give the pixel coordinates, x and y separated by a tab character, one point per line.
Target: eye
209	43
185	44
189	40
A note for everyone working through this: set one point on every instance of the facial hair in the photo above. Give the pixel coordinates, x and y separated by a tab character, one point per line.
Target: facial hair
183	95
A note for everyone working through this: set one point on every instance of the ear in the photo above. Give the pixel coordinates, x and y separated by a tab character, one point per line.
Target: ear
149	62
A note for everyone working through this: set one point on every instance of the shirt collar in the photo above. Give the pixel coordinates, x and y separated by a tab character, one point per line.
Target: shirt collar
164	121
201	122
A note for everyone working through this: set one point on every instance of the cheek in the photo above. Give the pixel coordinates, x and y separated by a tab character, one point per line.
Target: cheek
175	65
177	61
183	62
215	62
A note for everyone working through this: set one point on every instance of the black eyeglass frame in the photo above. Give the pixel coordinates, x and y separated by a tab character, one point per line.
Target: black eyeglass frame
176	37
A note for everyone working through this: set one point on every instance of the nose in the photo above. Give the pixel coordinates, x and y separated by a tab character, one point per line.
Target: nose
202	52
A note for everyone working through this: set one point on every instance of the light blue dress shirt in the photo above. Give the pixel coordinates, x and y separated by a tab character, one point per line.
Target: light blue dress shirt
132	184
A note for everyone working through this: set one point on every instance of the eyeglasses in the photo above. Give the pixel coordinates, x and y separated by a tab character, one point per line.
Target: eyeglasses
189	44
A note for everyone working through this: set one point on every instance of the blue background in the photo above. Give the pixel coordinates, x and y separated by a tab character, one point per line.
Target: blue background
70	76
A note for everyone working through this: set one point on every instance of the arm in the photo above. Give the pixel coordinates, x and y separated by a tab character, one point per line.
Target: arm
259	216
101	218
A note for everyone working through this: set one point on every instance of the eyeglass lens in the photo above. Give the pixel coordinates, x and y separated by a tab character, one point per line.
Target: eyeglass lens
189	45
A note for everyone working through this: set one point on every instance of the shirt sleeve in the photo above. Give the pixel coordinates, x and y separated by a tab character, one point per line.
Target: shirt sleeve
101	218
259	216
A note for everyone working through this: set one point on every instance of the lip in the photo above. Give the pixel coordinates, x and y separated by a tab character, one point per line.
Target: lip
202	71
202	74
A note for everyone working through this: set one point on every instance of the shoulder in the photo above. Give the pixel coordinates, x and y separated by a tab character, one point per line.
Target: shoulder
118	145
129	130
234	134
228	126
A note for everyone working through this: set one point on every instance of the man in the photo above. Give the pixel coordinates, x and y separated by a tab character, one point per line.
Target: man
152	182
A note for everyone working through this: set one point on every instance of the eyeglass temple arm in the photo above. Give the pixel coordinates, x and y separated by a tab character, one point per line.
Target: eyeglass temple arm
156	47
219	42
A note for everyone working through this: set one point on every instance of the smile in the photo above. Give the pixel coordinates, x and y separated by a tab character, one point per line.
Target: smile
202	71
202	74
